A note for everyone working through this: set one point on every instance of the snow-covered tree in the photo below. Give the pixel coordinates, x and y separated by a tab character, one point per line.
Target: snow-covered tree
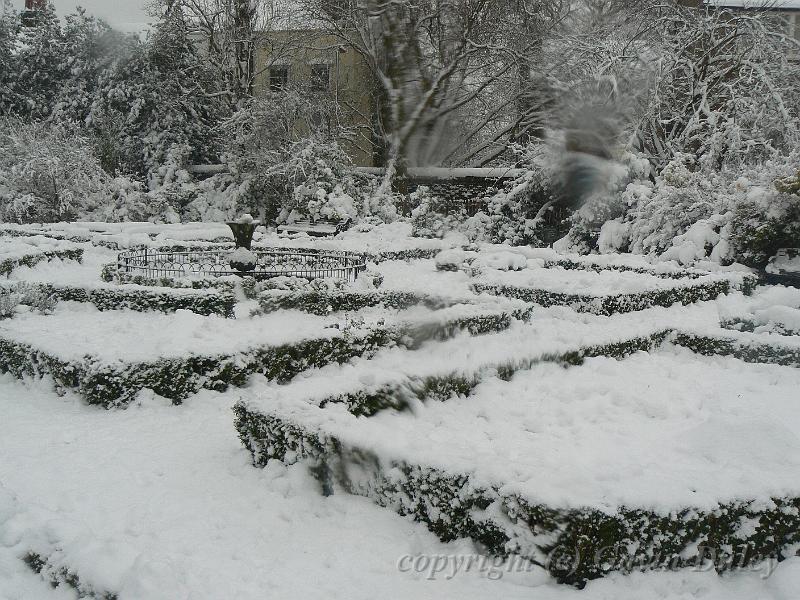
230	34
39	66
440	70
162	96
724	88
10	98
283	148
47	173
92	49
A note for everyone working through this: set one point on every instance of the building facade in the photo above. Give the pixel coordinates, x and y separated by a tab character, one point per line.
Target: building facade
320	64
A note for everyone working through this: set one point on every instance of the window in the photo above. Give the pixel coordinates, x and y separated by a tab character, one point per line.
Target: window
320	78
278	78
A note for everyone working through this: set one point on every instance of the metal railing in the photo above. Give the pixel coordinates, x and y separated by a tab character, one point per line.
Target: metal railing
216	263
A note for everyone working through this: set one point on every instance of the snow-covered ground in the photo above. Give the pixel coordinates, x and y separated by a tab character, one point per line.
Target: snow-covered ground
161	502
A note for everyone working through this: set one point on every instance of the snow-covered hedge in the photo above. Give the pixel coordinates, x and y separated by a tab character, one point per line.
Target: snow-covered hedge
399	395
742	281
565	541
755	348
753	325
611	304
142	300
117	383
111	274
29	260
321	302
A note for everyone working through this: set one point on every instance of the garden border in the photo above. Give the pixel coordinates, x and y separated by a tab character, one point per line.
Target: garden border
176	378
564	541
141	300
608	305
8	265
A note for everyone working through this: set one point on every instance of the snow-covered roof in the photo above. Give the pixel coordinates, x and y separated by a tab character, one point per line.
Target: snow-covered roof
786	5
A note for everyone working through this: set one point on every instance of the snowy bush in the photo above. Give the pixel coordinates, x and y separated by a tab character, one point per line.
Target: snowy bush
282	149
514	214
47	173
760	228
432	217
682	196
694	212
24	294
9	301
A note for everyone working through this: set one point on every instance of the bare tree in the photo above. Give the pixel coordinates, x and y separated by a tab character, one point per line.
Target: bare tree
445	71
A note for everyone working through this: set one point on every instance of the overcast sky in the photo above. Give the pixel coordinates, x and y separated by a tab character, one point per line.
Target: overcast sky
126	15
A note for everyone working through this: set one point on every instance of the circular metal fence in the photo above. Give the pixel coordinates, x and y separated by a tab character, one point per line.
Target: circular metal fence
216	263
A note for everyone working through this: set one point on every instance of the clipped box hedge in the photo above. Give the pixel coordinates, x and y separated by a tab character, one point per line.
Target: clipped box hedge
110	273
141	300
751	348
323	302
574	545
750	325
611	304
176	378
398	395
320	302
117	384
31	260
748	282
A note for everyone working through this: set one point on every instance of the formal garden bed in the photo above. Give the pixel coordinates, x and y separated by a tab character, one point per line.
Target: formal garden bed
399	378
636	473
131	297
29	251
433	385
108	357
